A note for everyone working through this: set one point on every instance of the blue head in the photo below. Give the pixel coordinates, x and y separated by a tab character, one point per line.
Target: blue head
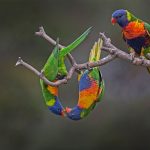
74	113
57	108
121	17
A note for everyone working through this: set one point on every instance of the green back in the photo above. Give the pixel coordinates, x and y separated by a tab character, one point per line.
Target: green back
147	27
51	67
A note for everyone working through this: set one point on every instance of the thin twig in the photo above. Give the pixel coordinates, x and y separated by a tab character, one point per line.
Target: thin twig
43	34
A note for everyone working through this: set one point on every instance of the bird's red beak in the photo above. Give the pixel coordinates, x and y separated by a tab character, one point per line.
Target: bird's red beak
113	21
68	110
63	113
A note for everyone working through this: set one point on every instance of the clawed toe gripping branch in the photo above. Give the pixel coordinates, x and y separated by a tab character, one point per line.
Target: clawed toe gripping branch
107	47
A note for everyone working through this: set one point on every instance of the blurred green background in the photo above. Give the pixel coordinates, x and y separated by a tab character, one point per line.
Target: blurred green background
120	122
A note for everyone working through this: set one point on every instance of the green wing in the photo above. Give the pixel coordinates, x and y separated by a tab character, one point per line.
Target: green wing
69	48
133	18
51	67
147	27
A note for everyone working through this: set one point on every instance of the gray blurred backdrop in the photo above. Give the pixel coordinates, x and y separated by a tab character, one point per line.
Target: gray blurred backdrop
120	121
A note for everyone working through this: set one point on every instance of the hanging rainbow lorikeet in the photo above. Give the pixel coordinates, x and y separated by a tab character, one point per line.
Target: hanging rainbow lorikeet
91	87
136	32
55	69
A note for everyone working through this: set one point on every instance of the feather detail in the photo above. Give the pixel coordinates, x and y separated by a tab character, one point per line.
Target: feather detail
95	52
133	30
53	90
88	96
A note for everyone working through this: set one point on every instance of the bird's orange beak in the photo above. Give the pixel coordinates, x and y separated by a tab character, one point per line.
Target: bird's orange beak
113	21
68	110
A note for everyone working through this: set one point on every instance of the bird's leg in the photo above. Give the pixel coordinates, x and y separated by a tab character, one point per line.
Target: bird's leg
142	54
142	57
148	55
132	54
148	33
88	67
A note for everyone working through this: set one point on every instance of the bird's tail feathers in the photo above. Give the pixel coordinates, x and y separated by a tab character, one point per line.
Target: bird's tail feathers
95	52
64	51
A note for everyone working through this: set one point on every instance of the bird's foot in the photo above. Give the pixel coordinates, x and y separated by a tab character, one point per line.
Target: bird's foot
60	76
88	67
138	61
132	54
142	57
148	55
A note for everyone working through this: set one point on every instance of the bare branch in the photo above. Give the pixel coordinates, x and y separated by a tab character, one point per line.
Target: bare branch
107	46
101	62
110	48
70	73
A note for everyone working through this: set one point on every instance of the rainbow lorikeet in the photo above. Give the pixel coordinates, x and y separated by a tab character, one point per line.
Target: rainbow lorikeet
91	87
136	33
55	69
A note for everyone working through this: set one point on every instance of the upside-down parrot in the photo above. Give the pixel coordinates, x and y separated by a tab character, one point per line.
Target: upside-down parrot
136	33
55	69
91	87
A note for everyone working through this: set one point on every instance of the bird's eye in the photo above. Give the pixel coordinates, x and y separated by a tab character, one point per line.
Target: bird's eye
118	16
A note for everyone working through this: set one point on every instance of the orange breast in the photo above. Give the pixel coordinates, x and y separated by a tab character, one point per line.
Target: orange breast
53	90
133	30
88	96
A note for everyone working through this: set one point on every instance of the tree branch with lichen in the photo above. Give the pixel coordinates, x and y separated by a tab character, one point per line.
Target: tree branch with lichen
108	47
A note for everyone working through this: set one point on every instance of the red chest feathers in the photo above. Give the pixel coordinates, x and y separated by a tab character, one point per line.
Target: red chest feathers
133	30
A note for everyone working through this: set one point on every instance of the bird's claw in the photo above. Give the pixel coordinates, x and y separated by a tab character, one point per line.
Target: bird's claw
88	67
142	57
138	61
132	54
148	55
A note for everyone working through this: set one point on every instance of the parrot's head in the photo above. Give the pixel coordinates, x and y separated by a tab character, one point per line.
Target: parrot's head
121	16
57	108
74	113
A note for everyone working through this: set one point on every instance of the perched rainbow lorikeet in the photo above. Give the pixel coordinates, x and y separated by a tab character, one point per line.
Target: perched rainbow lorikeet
136	32
91	87
55	69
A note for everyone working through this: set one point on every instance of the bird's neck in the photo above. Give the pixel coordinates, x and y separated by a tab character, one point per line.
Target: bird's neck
124	24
